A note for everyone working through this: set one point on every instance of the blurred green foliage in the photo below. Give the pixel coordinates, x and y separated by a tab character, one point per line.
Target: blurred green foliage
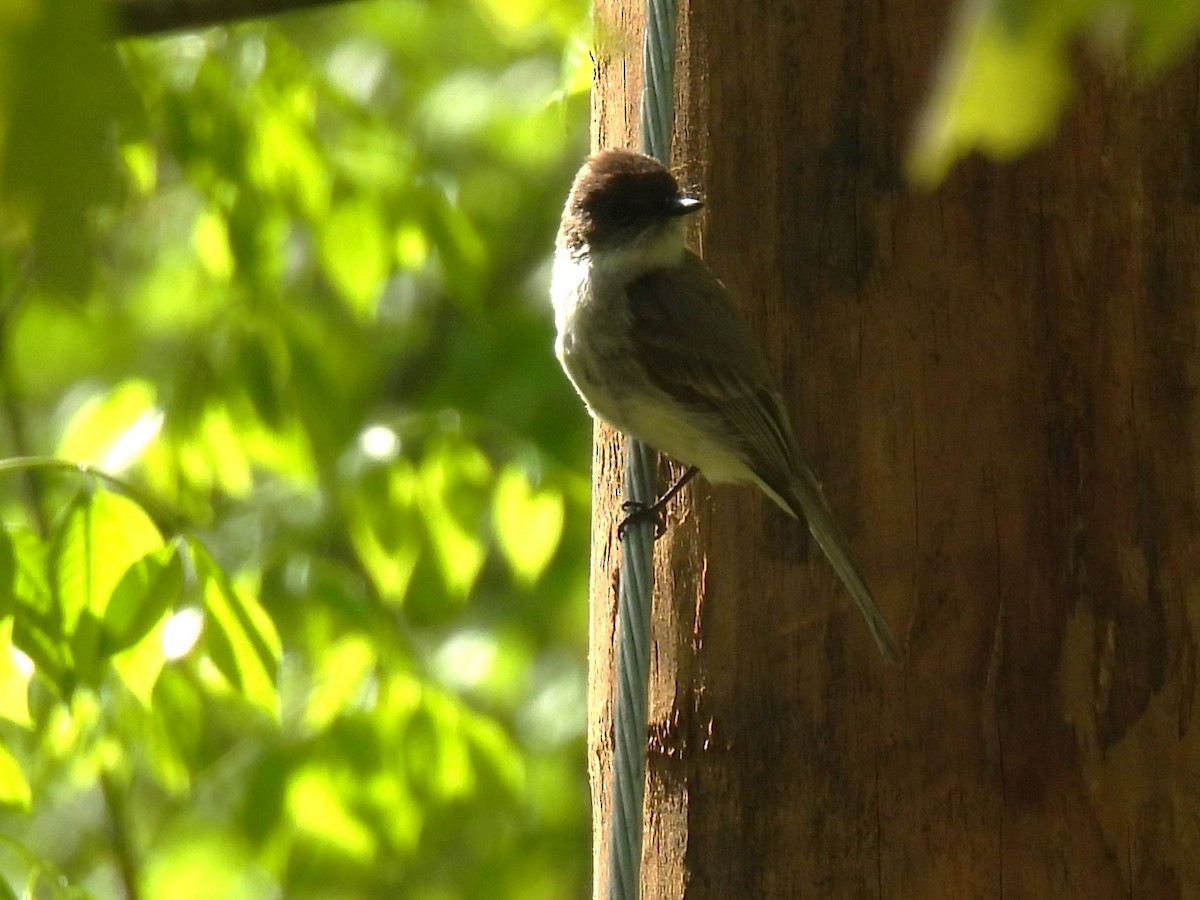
1006	73
314	625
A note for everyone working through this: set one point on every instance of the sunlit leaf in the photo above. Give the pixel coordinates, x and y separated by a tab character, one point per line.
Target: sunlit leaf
14	788
447	747
210	238
141	165
400	697
202	861
111	429
355	254
140	600
213	455
1006	76
317	808
55	347
455	476
339	680
517	15
37	623
435	754
385	526
282	157
528	523
493	751
69	732
14	681
239	636
101	535
140	665
578	67
1001	86
412	247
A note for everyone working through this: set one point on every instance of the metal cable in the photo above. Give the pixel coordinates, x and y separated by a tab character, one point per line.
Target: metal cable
637	545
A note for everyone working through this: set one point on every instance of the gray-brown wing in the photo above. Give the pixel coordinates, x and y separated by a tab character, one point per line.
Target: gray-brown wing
696	348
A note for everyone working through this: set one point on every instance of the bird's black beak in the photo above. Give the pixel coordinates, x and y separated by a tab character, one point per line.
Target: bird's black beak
683	206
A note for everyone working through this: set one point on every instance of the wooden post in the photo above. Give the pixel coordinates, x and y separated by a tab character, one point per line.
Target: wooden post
997	382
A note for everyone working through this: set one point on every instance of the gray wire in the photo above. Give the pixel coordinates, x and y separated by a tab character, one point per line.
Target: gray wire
658	79
637	545
633	674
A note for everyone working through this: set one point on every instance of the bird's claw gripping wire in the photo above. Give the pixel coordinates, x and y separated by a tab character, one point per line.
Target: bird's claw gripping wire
656	511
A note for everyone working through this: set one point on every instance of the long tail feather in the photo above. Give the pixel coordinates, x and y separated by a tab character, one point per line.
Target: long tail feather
807	502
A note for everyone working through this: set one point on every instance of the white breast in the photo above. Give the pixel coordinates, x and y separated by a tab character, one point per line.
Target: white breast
593	344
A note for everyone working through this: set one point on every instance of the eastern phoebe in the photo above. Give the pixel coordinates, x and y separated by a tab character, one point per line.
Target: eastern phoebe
654	347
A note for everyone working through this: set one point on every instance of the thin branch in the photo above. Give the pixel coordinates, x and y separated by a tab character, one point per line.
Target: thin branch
164	517
141	18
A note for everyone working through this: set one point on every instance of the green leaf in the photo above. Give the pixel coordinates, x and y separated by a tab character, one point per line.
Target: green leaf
141	165
140	665
1002	86
282	157
14	681
455	477
158	747
111	429
384	521
8	572
411	247
339	681
37	624
149	588
196	860
101	535
318	808
528	524
239	636
1006	76
355	253
210	239
262	364
179	710
97	541
14	788
494	752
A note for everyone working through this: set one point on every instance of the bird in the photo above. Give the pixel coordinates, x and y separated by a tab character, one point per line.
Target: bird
655	348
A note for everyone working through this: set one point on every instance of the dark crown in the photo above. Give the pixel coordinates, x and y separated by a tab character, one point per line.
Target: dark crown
617	192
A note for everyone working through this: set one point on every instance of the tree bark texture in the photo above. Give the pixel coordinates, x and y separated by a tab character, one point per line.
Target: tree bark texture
997	382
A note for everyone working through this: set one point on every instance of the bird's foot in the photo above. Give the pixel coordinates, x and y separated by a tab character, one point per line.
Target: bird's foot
643	512
656	511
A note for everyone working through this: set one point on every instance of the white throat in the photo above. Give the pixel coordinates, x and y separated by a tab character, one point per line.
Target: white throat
658	247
